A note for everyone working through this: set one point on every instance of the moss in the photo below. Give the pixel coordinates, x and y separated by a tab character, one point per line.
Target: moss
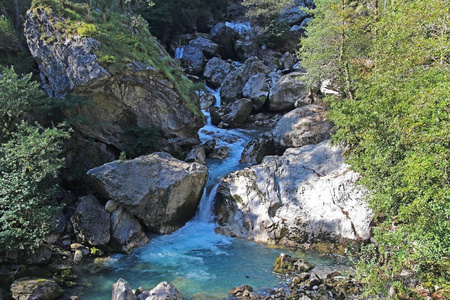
96	252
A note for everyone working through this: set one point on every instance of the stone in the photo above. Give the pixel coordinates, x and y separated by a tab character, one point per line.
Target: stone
161	191
215	116
328	88
308	194
197	154
36	289
91	222
294	14
208	47
216	70
126	232
301	126
234	83
257	149
206	100
288	264
239	112
220	153
77	256
209	146
165	291
193	60
121	290
286	92
257	90
225	37
111	206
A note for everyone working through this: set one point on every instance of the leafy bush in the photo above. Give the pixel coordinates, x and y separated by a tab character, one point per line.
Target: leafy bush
145	141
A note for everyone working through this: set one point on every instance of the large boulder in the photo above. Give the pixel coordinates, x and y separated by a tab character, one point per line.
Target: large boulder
216	70
126	232
302	126
121	290
306	195
257	90
158	189
287	91
193	60
208	47
35	289
164	291
257	149
90	222
225	37
234	83
138	97
239	112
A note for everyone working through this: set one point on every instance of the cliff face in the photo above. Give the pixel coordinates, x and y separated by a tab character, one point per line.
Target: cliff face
138	95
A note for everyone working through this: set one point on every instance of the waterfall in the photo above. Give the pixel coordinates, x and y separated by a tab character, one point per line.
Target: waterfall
239	26
179	52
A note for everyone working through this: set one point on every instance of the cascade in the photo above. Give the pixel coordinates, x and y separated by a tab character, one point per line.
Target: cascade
179	52
239	26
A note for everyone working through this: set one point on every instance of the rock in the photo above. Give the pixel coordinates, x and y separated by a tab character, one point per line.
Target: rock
216	70
165	291
40	256
288	264
159	190
271	58
36	289
126	232
257	90
192	60
286	92
91	222
287	61
121	290
209	146
207	100
301	126
233	84
308	194
225	37
256	149
60	224
220	153
314	280
77	256
328	88
239	112
243	292
111	206
215	116
197	154
208	47
294	14
129	99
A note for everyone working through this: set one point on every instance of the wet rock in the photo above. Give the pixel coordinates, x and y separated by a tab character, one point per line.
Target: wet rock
164	291
301	126
225	37
208	47
121	290
307	194
220	153
215	116
126	232
239	112
216	70
91	222
197	154
257	149
234	83
36	289
288	264
159	190
257	90
285	93
206	100
209	146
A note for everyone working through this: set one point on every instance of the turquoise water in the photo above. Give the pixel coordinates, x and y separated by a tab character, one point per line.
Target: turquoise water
199	262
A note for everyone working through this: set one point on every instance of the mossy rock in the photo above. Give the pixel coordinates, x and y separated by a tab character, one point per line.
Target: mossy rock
288	264
35	288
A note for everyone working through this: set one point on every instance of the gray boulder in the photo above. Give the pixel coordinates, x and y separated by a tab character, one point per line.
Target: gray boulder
301	126
126	232
121	290
308	194
35	289
193	60
233	84
257	90
91	222
257	149
285	93
165	291
225	37
294	14
197	154
158	189
239	112
208	47
216	70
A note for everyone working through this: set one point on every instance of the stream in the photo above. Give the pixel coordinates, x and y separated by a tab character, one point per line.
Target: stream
199	262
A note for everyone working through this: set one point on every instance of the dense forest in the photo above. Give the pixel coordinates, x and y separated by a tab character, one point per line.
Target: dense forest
388	61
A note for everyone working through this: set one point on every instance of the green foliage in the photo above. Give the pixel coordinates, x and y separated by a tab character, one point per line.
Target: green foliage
29	165
265	10
275	33
145	141
392	64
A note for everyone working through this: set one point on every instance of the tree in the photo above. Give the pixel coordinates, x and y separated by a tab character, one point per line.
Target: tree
30	158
